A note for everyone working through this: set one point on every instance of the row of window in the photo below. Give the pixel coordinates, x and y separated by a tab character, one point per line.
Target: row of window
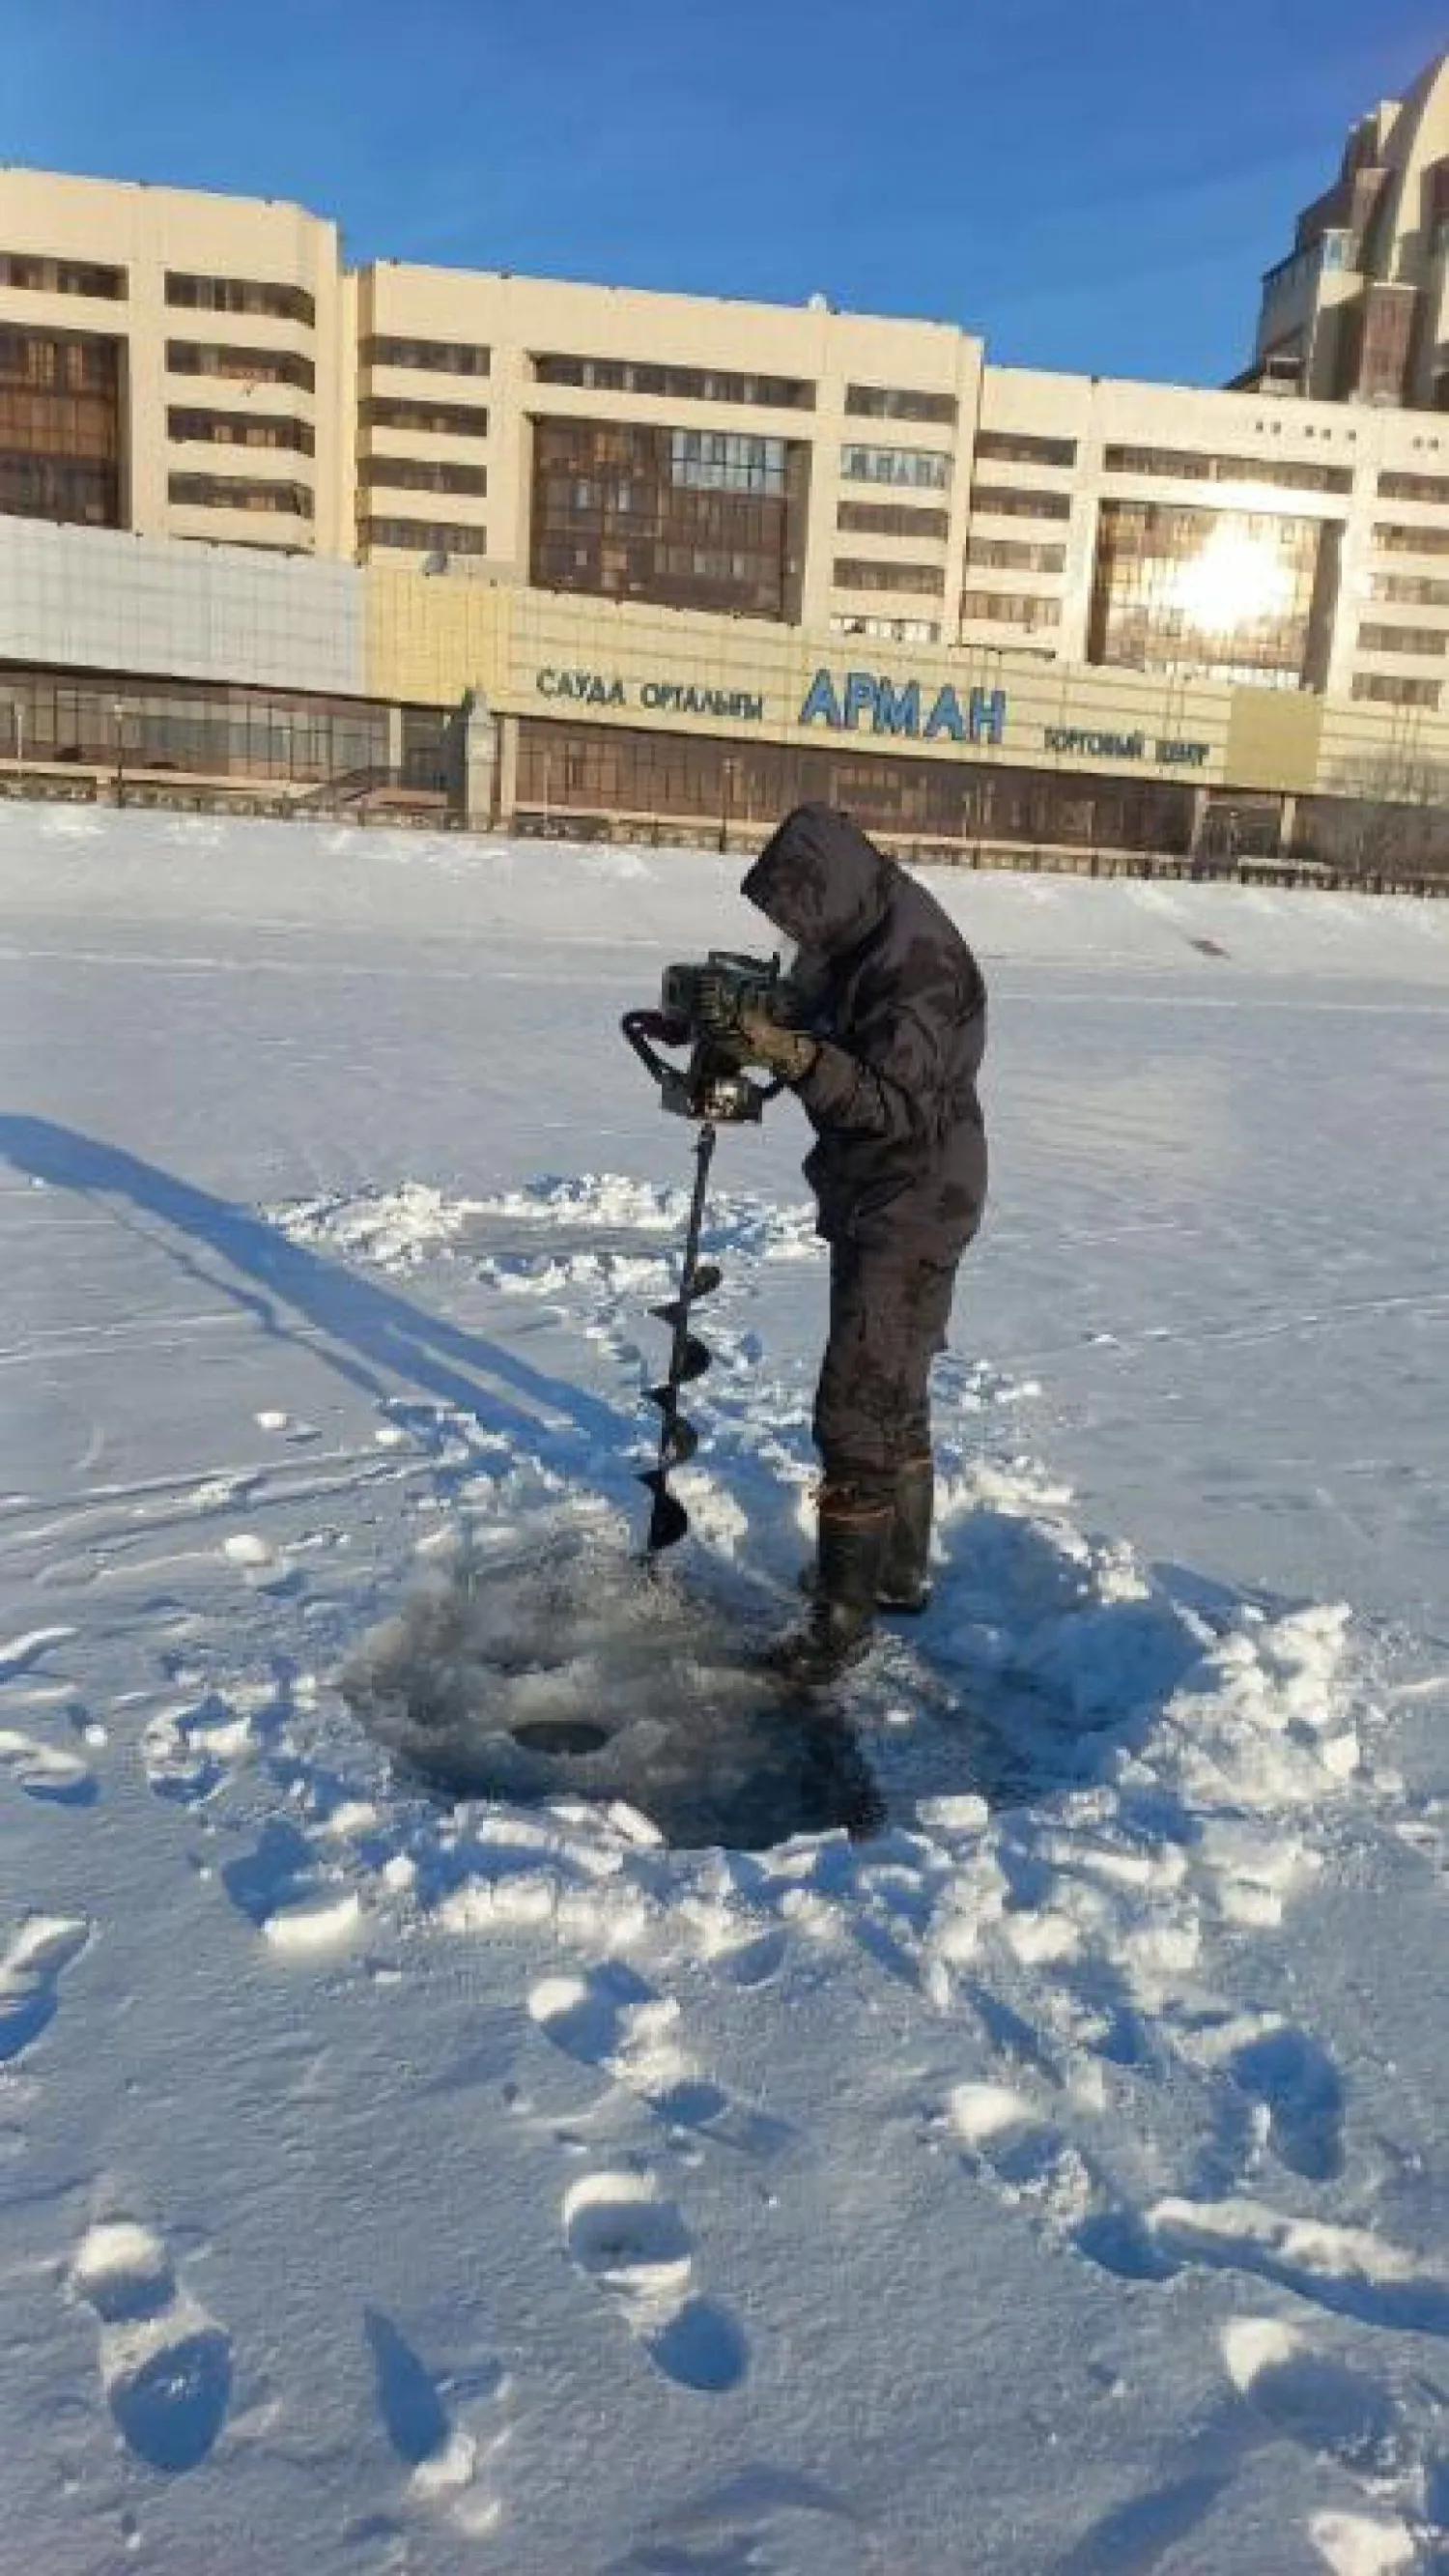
1187	466
614	769
1390	689
714	460
1410	589
1003	501
888	630
74	492
434	419
1017	447
889	519
435	357
69	362
920	467
678	384
1397	538
240	295
898	402
61	276
864	573
214	732
237	492
1430	642
1014	554
422	536
241	429
421	474
239	365
1009	608
1414	487
76	425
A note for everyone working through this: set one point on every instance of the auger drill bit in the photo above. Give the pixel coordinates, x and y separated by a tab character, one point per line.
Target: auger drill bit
688	1359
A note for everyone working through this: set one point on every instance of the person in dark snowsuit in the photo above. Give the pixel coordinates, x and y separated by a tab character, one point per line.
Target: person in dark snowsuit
892	1006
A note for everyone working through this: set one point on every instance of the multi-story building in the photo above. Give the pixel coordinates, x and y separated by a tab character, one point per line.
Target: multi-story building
802	491
1359	310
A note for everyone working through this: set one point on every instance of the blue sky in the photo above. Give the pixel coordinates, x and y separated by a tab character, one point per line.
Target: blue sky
1093	190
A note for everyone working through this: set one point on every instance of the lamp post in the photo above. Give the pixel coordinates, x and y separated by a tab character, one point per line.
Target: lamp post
726	785
119	712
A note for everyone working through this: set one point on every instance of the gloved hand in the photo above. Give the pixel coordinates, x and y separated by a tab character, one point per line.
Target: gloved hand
757	1039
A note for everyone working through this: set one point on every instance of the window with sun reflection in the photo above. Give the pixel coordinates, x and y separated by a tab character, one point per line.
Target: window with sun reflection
1226	595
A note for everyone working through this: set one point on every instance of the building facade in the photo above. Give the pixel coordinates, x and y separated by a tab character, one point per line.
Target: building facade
1359	310
353	499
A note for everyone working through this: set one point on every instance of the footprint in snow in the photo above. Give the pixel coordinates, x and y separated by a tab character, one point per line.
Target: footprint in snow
1299	2088
1346	2269
439	2452
610	2019
1040	2171
165	2363
42	1772
21	1654
1341	2414
636	2247
29	1977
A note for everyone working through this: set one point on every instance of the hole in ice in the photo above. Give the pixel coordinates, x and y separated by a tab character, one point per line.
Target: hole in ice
561	1668
560	1735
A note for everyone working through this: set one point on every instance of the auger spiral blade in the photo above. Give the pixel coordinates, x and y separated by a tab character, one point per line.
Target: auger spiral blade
688	1359
678	1438
668	1521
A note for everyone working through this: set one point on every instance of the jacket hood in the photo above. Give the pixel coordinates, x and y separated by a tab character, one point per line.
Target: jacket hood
821	881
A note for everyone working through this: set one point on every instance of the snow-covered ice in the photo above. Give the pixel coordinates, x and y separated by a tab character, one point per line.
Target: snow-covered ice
482	2085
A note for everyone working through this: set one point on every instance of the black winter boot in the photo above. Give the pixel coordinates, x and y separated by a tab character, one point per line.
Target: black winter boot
850	1553
905	1585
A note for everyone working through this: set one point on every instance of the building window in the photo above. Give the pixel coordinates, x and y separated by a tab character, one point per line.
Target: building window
1014	554
918	466
241	366
1224	595
1185	465
889	630
692	518
236	492
1394	539
61	276
868	573
240	295
1003	501
899	402
674	384
421	474
1426	640
1389	689
1009	608
713	460
60	427
204	730
1414	487
435	419
423	537
617	769
437	357
1410	589
1016	447
241	429
890	519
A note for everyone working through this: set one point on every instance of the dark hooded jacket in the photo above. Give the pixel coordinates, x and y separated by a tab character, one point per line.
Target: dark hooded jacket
899	1161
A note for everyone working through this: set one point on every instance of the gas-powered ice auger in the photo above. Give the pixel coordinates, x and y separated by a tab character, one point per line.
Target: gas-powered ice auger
712	1091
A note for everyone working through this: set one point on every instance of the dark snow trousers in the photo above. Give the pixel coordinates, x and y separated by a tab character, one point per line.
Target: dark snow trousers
888	1316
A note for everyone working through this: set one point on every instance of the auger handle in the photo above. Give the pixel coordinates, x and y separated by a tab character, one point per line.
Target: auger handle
640	1027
